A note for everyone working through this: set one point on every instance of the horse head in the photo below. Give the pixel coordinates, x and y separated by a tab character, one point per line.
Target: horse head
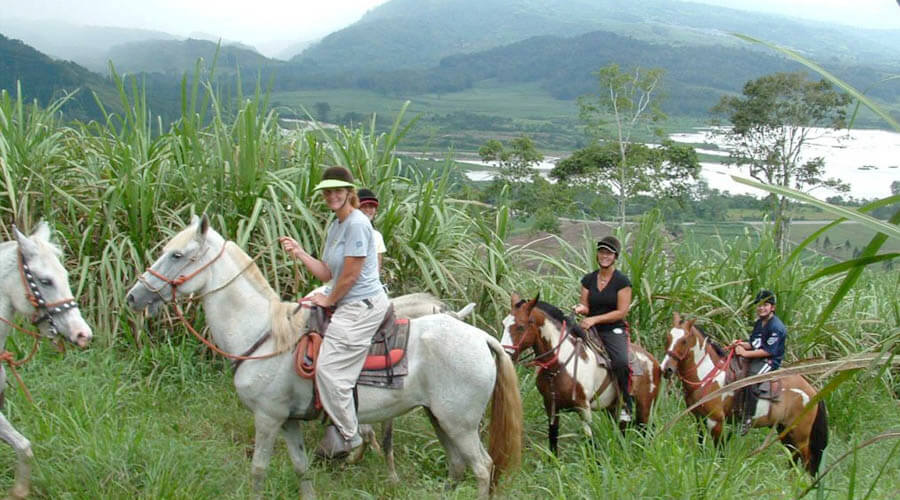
42	290
519	328
678	344
182	269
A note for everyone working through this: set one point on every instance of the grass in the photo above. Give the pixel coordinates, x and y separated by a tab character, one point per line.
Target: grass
147	413
164	422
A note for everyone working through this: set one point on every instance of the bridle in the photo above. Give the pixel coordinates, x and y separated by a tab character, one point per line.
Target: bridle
44	311
719	366
181	279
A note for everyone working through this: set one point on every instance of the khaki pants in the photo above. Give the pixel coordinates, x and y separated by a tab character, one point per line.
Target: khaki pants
342	356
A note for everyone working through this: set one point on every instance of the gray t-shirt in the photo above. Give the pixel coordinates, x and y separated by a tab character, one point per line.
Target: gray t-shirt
352	238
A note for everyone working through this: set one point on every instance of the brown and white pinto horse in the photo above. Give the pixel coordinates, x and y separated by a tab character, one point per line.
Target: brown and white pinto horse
570	376
701	364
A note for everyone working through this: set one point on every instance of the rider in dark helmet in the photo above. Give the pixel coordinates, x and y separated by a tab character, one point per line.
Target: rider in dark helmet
368	204
605	301
764	348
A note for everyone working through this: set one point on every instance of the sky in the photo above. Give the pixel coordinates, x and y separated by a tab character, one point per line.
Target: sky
270	25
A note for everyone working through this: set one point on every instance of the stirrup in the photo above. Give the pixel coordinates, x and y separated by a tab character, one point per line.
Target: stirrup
624	416
746	425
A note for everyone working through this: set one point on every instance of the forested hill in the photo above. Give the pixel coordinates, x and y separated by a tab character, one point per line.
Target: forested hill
45	79
695	76
419	33
175	57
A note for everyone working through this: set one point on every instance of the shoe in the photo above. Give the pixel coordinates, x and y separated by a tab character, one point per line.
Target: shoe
624	416
334	445
746	426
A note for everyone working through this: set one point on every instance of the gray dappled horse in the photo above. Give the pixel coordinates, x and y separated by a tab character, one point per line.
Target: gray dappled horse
34	283
454	368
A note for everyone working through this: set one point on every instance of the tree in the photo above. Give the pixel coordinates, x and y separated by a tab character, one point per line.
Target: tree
630	99
322	110
515	165
668	170
771	122
895	187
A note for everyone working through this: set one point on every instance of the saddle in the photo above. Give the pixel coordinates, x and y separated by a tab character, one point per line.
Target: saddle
739	367
386	361
635	368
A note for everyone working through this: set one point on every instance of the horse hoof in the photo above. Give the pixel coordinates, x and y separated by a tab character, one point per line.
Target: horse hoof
307	492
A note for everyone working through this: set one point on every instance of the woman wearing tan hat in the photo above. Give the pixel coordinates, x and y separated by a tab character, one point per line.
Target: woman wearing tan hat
605	301
349	267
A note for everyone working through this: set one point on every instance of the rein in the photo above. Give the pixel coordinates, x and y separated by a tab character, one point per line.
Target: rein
718	366
182	279
43	312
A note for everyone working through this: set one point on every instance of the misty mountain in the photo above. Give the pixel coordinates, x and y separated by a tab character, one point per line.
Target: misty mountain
175	57
403	34
46	79
85	45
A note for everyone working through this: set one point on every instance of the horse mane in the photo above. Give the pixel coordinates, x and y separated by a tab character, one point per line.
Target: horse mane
715	345
561	318
286	326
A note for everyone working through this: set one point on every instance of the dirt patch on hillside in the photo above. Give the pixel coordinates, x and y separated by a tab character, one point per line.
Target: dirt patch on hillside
570	231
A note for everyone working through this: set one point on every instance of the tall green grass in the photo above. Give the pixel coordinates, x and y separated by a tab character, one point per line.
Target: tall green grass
148	413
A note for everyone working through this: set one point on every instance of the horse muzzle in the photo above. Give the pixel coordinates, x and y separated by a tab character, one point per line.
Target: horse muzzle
139	298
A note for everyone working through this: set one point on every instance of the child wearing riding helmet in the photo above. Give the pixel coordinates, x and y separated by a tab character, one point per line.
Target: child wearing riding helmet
764	349
368	204
349	266
605	301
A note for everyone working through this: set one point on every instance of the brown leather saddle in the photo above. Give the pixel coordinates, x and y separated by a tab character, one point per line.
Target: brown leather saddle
739	367
385	362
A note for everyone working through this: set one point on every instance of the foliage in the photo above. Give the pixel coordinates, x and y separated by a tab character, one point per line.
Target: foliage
772	121
103	424
630	100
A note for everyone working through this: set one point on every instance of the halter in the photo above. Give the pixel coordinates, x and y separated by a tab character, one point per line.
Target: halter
182	279
719	366
44	311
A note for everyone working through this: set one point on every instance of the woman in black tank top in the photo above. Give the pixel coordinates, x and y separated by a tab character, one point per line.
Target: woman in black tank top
605	300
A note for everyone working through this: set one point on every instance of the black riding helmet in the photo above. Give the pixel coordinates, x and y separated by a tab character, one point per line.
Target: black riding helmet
765	296
367	196
610	243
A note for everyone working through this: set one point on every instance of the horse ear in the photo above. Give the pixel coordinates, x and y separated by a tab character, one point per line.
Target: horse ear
533	302
676	319
202	227
26	246
513	300
41	232
689	325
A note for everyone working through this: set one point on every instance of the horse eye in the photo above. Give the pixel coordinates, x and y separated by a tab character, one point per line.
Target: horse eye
177	255
46	281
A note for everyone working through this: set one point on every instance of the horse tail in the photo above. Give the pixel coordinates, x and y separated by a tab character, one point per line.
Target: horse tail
818	439
505	446
462	313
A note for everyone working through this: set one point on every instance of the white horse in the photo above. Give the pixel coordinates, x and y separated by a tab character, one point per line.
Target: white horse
33	283
454	368
409	306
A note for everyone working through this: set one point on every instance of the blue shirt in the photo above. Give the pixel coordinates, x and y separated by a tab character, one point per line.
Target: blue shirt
770	337
352	238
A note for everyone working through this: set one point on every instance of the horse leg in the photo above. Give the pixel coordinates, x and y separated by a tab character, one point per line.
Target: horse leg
585	414
266	431
387	444
455	461
293	436
24	456
552	425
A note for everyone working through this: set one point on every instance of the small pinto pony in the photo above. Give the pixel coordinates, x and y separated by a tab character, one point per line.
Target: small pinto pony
571	376
702	367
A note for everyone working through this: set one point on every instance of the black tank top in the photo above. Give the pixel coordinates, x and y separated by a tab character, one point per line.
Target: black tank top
606	300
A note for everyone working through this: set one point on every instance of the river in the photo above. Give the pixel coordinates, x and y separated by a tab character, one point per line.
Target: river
868	160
